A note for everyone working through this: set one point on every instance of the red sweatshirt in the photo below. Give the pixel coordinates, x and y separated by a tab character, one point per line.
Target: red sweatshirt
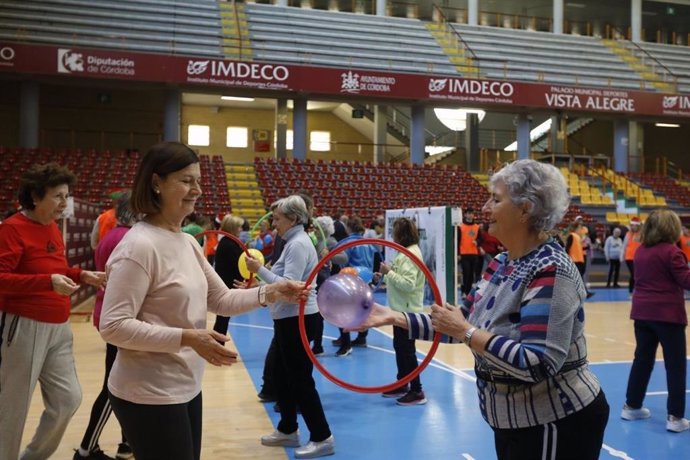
29	254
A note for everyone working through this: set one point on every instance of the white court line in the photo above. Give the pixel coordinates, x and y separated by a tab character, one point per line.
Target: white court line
624	362
467	456
434	362
660	393
616	453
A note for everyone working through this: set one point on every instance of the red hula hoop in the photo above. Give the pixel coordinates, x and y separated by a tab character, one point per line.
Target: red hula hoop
236	240
303	333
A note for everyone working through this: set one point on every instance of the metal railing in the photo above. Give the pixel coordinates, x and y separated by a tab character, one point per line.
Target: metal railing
450	30
657	66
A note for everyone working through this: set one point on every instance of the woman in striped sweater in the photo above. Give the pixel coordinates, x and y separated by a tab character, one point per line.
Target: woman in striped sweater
524	322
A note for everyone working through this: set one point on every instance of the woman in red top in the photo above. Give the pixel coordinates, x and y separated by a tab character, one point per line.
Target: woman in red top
35	337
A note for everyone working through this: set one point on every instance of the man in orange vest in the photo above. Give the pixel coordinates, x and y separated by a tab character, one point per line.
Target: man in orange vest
469	250
632	241
106	220
573	246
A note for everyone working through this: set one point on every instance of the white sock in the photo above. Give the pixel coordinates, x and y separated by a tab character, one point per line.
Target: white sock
84	453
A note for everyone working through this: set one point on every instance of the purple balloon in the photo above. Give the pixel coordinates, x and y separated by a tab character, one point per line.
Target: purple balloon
345	300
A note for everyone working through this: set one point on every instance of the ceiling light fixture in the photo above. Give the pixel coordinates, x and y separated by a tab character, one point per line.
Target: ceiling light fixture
237	98
667	125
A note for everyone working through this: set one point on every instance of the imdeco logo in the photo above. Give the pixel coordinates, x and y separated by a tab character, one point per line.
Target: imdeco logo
670	102
197	67
436	85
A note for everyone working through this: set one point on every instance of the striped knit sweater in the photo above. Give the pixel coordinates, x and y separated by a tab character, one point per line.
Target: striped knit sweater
537	357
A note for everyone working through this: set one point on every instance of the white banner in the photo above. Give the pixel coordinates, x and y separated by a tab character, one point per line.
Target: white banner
437	241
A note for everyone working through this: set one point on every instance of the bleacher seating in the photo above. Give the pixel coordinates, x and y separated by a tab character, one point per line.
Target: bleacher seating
185	27
515	54
366	189
323	38
99	173
665	186
675	58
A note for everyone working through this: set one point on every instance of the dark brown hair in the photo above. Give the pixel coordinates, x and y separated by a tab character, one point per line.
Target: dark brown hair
38	178
405	232
354	223
161	159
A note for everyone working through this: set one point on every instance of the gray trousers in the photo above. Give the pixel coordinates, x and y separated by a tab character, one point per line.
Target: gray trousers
32	351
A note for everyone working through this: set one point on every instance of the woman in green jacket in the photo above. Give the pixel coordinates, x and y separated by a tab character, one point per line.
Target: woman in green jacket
405	286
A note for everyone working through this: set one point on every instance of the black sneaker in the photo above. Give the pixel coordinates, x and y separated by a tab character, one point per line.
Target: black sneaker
397	392
96	454
266	397
359	342
124	451
412	398
590	294
343	351
318	351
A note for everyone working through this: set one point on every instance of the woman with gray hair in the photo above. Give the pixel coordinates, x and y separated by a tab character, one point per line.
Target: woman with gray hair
524	322
292	370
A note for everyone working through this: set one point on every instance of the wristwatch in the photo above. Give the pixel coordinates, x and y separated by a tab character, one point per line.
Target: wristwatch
467	340
262	295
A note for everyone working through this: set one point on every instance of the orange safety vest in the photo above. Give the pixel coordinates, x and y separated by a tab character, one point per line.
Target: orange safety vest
211	244
468	239
575	252
685	245
633	242
106	222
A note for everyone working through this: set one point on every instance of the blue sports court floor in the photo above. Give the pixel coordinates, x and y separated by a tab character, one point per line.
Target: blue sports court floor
449	426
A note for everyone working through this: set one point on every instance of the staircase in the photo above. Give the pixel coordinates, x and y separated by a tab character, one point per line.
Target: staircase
244	192
649	74
236	43
574	126
458	53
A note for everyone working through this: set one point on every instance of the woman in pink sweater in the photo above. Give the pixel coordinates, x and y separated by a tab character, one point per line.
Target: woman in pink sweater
160	289
658	309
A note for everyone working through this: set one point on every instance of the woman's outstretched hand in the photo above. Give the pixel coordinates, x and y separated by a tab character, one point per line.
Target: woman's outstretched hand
380	316
287	291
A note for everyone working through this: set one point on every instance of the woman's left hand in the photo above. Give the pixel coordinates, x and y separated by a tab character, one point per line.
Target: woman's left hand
93	278
385	268
448	320
287	291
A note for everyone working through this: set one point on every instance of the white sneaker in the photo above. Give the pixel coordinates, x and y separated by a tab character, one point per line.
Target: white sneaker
317	449
628	413
676	424
281	439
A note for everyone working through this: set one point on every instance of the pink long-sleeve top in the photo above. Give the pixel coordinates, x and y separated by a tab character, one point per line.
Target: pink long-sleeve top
160	283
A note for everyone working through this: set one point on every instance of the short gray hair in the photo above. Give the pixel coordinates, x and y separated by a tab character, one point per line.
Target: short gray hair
326	224
293	207
539	185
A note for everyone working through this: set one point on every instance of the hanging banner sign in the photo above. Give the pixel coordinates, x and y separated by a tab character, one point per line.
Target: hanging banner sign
328	81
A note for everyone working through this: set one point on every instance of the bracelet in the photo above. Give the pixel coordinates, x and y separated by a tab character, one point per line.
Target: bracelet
468	336
262	295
